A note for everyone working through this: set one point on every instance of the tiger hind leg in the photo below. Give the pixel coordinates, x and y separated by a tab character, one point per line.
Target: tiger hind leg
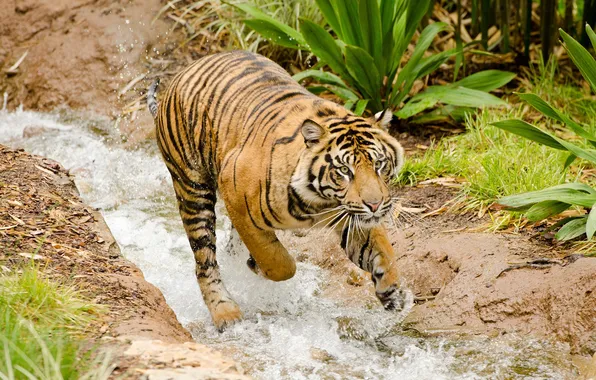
196	203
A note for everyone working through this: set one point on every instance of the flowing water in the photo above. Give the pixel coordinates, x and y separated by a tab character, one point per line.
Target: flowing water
291	330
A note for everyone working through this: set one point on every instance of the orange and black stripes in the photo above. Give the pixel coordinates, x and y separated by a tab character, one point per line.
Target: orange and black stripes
236	125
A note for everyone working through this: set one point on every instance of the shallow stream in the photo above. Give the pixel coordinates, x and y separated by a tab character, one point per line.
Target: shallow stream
290	331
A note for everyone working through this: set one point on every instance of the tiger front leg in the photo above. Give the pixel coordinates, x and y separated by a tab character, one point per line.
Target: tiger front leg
268	257
372	251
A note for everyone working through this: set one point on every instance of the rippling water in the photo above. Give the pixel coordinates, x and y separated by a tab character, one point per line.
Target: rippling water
291	330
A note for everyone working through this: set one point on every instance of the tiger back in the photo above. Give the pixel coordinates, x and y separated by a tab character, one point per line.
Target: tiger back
236	124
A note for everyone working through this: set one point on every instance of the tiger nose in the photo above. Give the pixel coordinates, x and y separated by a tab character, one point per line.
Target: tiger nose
374	205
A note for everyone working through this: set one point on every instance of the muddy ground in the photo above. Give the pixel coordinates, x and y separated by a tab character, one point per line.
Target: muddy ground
473	282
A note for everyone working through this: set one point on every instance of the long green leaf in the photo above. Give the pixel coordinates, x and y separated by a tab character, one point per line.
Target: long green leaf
443	114
591	35
408	16
523	129
572	193
572	157
405	79
529	131
347	15
273	23
273	33
416	11
582	59
429	64
372	34
344	93
323	46
362	68
415	107
328	12
360	106
394	17
487	80
462	96
565	196
549	111
321	76
387	9
545	209
572	229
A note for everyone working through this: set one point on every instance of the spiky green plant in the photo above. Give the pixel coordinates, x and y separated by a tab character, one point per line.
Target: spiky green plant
365	50
545	203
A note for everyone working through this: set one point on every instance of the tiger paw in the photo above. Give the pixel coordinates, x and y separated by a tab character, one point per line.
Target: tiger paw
226	314
393	299
252	265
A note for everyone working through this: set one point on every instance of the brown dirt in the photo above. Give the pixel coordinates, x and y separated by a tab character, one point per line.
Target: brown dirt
467	281
43	219
80	53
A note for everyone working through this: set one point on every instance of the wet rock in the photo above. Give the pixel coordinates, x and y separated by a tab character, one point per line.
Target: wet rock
558	301
158	360
34	130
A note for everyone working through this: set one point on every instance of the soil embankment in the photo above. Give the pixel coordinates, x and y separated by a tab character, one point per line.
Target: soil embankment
77	53
43	219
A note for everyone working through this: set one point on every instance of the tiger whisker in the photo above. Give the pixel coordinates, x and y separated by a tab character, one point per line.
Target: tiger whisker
359	225
408	216
348	236
328	218
350	227
326	211
332	227
396	225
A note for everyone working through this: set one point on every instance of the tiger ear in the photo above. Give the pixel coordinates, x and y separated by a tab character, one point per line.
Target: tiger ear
383	119
312	132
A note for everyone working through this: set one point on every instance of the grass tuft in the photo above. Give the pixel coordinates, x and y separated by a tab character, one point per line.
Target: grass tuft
489	163
41	327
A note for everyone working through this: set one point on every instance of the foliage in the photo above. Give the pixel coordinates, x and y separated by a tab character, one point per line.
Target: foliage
506	25
213	23
487	163
39	328
371	39
552	201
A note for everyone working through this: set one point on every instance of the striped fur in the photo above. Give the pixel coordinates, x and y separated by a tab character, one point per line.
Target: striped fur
237	124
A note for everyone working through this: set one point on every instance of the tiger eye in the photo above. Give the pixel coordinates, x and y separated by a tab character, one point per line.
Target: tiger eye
378	165
344	170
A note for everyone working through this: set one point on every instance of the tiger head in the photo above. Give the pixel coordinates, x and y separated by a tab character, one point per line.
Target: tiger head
348	163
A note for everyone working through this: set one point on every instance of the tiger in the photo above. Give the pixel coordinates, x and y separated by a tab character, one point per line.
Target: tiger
236	126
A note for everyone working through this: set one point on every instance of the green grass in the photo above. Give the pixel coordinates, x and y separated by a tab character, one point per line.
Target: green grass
492	163
489	162
42	329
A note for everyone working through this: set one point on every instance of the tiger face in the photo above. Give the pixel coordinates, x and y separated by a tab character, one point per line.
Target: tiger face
348	164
